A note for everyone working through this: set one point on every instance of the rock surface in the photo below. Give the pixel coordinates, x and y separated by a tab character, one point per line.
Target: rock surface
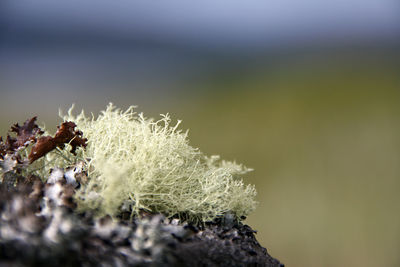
40	227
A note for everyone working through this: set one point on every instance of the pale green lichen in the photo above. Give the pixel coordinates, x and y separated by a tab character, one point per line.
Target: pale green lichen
144	164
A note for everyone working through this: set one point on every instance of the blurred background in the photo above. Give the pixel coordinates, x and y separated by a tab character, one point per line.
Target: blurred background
305	92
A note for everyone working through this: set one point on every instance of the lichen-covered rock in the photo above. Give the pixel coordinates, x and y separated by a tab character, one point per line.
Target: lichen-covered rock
39	226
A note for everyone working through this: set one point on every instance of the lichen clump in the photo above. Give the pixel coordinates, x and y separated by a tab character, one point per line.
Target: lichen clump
135	163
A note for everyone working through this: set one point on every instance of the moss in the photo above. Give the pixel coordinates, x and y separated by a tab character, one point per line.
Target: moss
144	164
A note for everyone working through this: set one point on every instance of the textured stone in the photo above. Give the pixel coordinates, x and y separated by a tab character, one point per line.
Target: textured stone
39	227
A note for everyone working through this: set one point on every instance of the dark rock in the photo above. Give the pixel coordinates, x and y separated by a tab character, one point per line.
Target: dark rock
40	227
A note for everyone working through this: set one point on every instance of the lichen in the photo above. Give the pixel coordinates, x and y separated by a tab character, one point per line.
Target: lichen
143	164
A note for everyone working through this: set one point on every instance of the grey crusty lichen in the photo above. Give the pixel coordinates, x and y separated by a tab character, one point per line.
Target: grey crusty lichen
142	164
38	227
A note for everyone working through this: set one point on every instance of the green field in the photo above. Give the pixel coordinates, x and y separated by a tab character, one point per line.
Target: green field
324	142
325	146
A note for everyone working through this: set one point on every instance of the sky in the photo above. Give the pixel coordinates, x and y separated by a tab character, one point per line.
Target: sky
58	48
208	22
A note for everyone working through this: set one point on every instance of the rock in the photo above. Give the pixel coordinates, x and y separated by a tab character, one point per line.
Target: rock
39	226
